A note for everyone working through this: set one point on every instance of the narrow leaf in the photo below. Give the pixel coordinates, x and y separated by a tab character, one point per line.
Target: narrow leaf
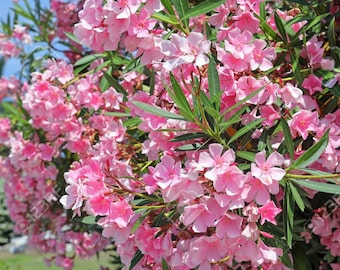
297	197
280	27
112	81
214	82
203	8
246	155
245	129
168	6
288	215
88	59
181	6
165	265
179	97
288	139
136	258
157	111
189	136
319	186
312	154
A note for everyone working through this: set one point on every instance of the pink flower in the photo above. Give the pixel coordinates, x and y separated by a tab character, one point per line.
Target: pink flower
238	43
229	225
261	56
215	160
265	170
312	84
141	24
181	50
201	215
303	122
268	212
120	213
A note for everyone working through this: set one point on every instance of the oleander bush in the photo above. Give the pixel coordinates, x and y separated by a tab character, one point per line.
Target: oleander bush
189	134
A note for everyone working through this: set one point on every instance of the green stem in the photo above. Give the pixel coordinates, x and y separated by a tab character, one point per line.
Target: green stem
303	176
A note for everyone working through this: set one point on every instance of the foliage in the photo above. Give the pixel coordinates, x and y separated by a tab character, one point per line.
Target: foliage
194	135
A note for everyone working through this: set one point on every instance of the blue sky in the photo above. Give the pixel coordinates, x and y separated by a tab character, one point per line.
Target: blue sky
12	66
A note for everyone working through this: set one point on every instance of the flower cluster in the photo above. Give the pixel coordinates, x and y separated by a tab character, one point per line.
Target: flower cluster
190	136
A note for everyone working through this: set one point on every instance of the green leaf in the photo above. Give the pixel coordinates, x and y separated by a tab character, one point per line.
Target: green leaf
241	102
88	59
263	10
297	197
335	90
113	81
214	82
235	118
182	7
189	136
250	156
139	221
294	56
268	31
89	220
157	111
19	10
136	258
72	37
171	19
319	186
288	139
311	154
118	114
168	6
203	8
288	215
245	130
165	265
179	98
190	147
280	27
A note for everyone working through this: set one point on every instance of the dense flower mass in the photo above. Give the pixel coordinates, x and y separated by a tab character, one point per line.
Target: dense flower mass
191	136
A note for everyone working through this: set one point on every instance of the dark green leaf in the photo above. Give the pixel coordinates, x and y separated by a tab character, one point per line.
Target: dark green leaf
245	130
182	7
311	154
243	101
288	139
136	258
214	82
113	81
189	136
139	221
335	90
280	27
319	186
165	265
268	31
179	98
294	56
203	8
297	197
288	215
157	111
168	6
